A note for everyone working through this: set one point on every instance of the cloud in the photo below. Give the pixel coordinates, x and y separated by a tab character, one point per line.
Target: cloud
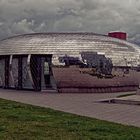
1	23
102	16
22	26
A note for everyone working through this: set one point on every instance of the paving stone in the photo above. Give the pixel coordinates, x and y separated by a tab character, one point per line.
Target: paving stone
81	104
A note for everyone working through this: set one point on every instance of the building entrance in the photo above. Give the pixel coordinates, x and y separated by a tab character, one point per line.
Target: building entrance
41	71
47	75
33	72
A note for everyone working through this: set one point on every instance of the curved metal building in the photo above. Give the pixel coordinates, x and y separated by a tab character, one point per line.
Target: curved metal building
27	61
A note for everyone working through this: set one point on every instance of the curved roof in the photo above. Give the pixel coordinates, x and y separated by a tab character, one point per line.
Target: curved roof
70	44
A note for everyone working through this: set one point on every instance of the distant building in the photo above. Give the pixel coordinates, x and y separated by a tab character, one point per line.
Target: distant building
118	34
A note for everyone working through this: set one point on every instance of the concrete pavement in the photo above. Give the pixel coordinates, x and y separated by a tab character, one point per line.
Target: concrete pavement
81	104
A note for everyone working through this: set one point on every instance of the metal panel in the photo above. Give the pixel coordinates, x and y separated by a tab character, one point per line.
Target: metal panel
20	72
27	83
15	71
35	66
11	78
7	68
60	44
2	72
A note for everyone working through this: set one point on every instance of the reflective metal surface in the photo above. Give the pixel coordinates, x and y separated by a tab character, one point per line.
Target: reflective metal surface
2	72
122	53
26	79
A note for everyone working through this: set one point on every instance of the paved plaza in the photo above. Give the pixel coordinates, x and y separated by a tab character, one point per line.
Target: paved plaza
81	104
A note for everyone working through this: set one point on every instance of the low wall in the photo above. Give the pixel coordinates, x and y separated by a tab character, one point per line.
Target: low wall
98	90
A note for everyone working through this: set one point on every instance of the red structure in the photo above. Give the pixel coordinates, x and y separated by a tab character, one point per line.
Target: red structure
119	35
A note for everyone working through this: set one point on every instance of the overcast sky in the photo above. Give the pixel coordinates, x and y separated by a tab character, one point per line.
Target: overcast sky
99	16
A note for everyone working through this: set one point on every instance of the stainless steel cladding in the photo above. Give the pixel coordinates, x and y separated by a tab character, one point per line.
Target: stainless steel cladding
121	52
